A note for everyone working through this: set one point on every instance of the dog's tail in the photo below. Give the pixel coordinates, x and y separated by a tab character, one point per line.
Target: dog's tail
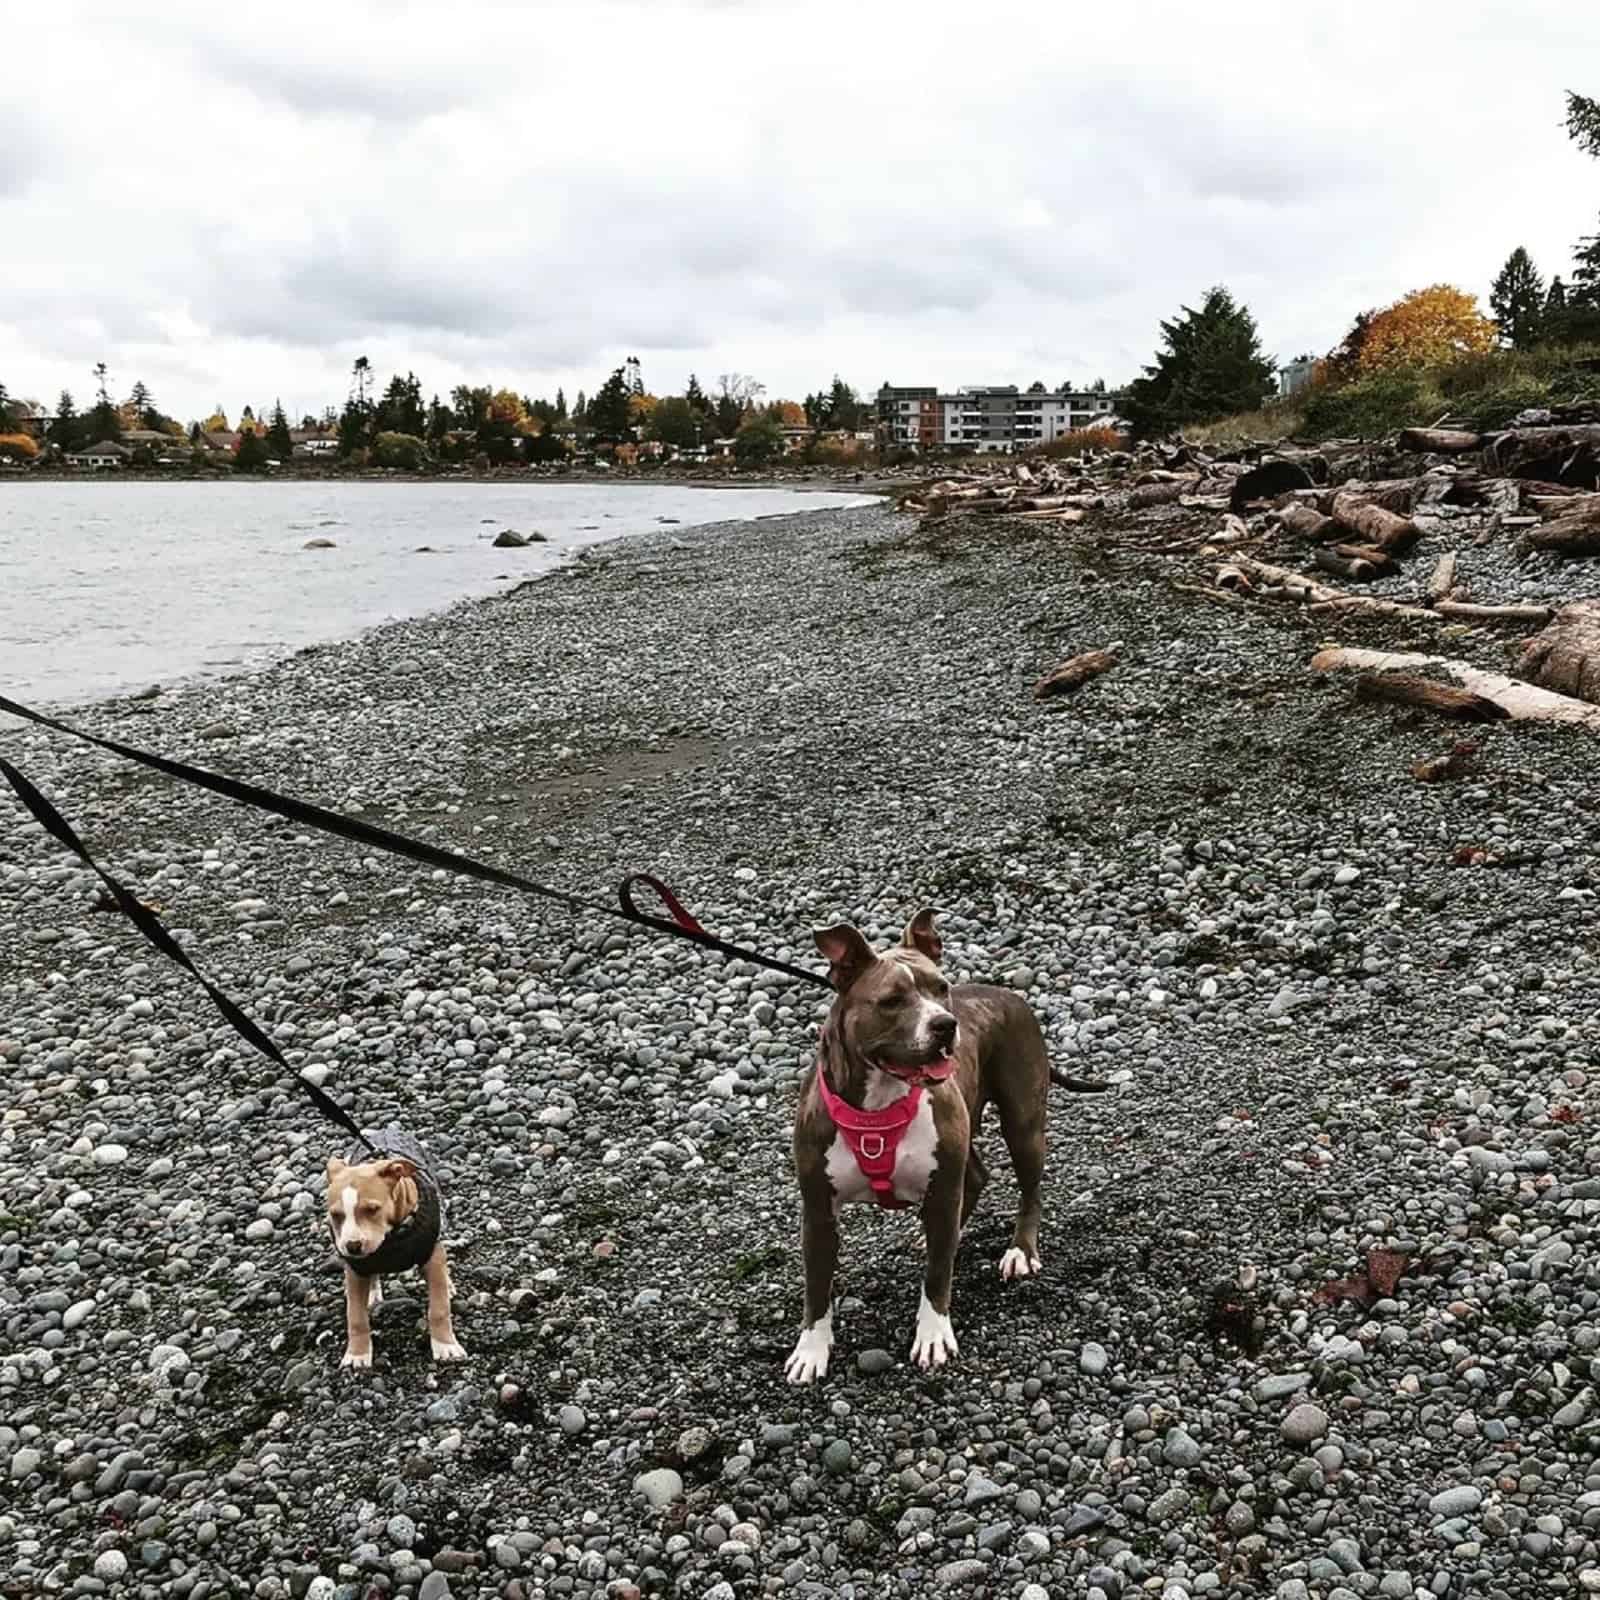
1065	1080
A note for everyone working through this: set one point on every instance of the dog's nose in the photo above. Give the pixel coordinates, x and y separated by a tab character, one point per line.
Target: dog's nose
943	1030
356	1247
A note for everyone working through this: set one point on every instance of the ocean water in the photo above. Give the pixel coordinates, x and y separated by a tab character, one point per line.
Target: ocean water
109	586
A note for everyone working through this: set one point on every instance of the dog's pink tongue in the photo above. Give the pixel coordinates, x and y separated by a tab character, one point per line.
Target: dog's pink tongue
941	1069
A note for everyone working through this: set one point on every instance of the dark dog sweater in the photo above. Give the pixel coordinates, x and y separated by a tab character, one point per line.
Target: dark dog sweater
410	1242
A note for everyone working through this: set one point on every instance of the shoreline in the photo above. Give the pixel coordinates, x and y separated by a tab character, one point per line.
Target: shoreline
1213	876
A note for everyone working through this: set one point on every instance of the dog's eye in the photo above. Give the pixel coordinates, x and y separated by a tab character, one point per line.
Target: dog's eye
891	1002
338	1216
369	1210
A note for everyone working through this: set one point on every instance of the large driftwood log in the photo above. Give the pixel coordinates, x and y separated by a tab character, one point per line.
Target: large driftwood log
1575	532
1158	494
1393	494
1380	559
1522	701
1306	522
1407	689
1444	440
1376	525
1569	456
1074	674
1565	658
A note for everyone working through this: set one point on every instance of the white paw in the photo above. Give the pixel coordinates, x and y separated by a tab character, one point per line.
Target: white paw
1016	1263
357	1358
808	1361
935	1341
375	1294
447	1350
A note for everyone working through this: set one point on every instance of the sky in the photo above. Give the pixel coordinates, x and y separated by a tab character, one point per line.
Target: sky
232	203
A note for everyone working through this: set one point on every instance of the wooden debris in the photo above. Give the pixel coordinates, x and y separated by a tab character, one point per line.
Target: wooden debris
1447	441
1356	568
1565	658
1306	522
1381	559
1402	688
1376	525
1158	494
1464	611
1523	702
1564	455
1074	674
1575	532
1456	762
1443	579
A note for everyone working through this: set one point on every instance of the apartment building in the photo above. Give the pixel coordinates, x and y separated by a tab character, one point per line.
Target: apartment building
986	417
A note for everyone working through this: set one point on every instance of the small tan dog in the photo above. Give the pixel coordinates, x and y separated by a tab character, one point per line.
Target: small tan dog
385	1214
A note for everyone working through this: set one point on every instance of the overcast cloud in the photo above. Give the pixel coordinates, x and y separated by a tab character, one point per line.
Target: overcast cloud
233	203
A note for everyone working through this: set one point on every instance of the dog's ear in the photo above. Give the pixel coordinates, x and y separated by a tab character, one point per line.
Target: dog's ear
922	936
335	1166
401	1176
848	954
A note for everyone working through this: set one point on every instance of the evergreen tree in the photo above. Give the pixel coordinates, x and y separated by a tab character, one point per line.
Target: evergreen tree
252	454
610	413
355	426
66	430
1516	300
697	397
143	407
7	421
440	421
1583	123
1212	366
278	440
401	409
561	406
580	409
1585	287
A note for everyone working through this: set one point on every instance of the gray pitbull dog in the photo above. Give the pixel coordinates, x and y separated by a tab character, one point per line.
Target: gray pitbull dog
905	1069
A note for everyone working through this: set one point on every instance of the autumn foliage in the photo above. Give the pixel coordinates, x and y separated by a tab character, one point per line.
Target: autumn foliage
1425	328
17	447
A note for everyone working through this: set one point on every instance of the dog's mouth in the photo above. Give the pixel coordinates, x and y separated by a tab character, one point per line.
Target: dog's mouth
934	1071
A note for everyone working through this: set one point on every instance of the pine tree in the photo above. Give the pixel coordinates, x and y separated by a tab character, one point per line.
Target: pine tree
278	440
1585	289
1516	299
1213	366
66	430
697	397
611	411
1583	123
561	406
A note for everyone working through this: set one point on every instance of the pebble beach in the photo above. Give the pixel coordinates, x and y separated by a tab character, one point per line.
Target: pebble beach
1320	1309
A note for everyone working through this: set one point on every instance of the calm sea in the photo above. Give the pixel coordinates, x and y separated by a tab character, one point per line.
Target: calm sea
106	587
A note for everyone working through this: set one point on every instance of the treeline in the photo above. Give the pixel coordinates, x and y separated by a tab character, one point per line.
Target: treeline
1431	351
401	426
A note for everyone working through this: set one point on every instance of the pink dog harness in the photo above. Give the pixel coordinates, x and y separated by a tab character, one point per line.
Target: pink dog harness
873	1137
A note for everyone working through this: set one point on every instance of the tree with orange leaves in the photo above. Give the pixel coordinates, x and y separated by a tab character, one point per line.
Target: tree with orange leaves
787	413
1425	328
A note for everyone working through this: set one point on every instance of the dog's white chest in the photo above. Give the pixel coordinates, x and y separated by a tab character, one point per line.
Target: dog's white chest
914	1162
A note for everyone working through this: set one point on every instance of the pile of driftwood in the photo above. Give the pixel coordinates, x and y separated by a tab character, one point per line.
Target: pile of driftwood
1306	524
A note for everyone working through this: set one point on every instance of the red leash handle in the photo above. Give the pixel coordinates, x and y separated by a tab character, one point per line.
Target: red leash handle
682	920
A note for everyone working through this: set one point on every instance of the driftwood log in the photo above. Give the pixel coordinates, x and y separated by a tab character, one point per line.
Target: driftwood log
1343	562
1306	522
1393	494
1385	529
1407	689
1565	658
1574	532
1443	579
1569	456
1159	494
1464	611
1448	441
1456	762
1523	702
1074	674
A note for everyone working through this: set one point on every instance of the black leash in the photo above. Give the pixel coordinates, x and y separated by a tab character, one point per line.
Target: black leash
152	927
678	922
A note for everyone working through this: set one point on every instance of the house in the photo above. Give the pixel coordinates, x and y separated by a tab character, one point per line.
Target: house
221	442
987	417
314	441
105	456
1297	375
